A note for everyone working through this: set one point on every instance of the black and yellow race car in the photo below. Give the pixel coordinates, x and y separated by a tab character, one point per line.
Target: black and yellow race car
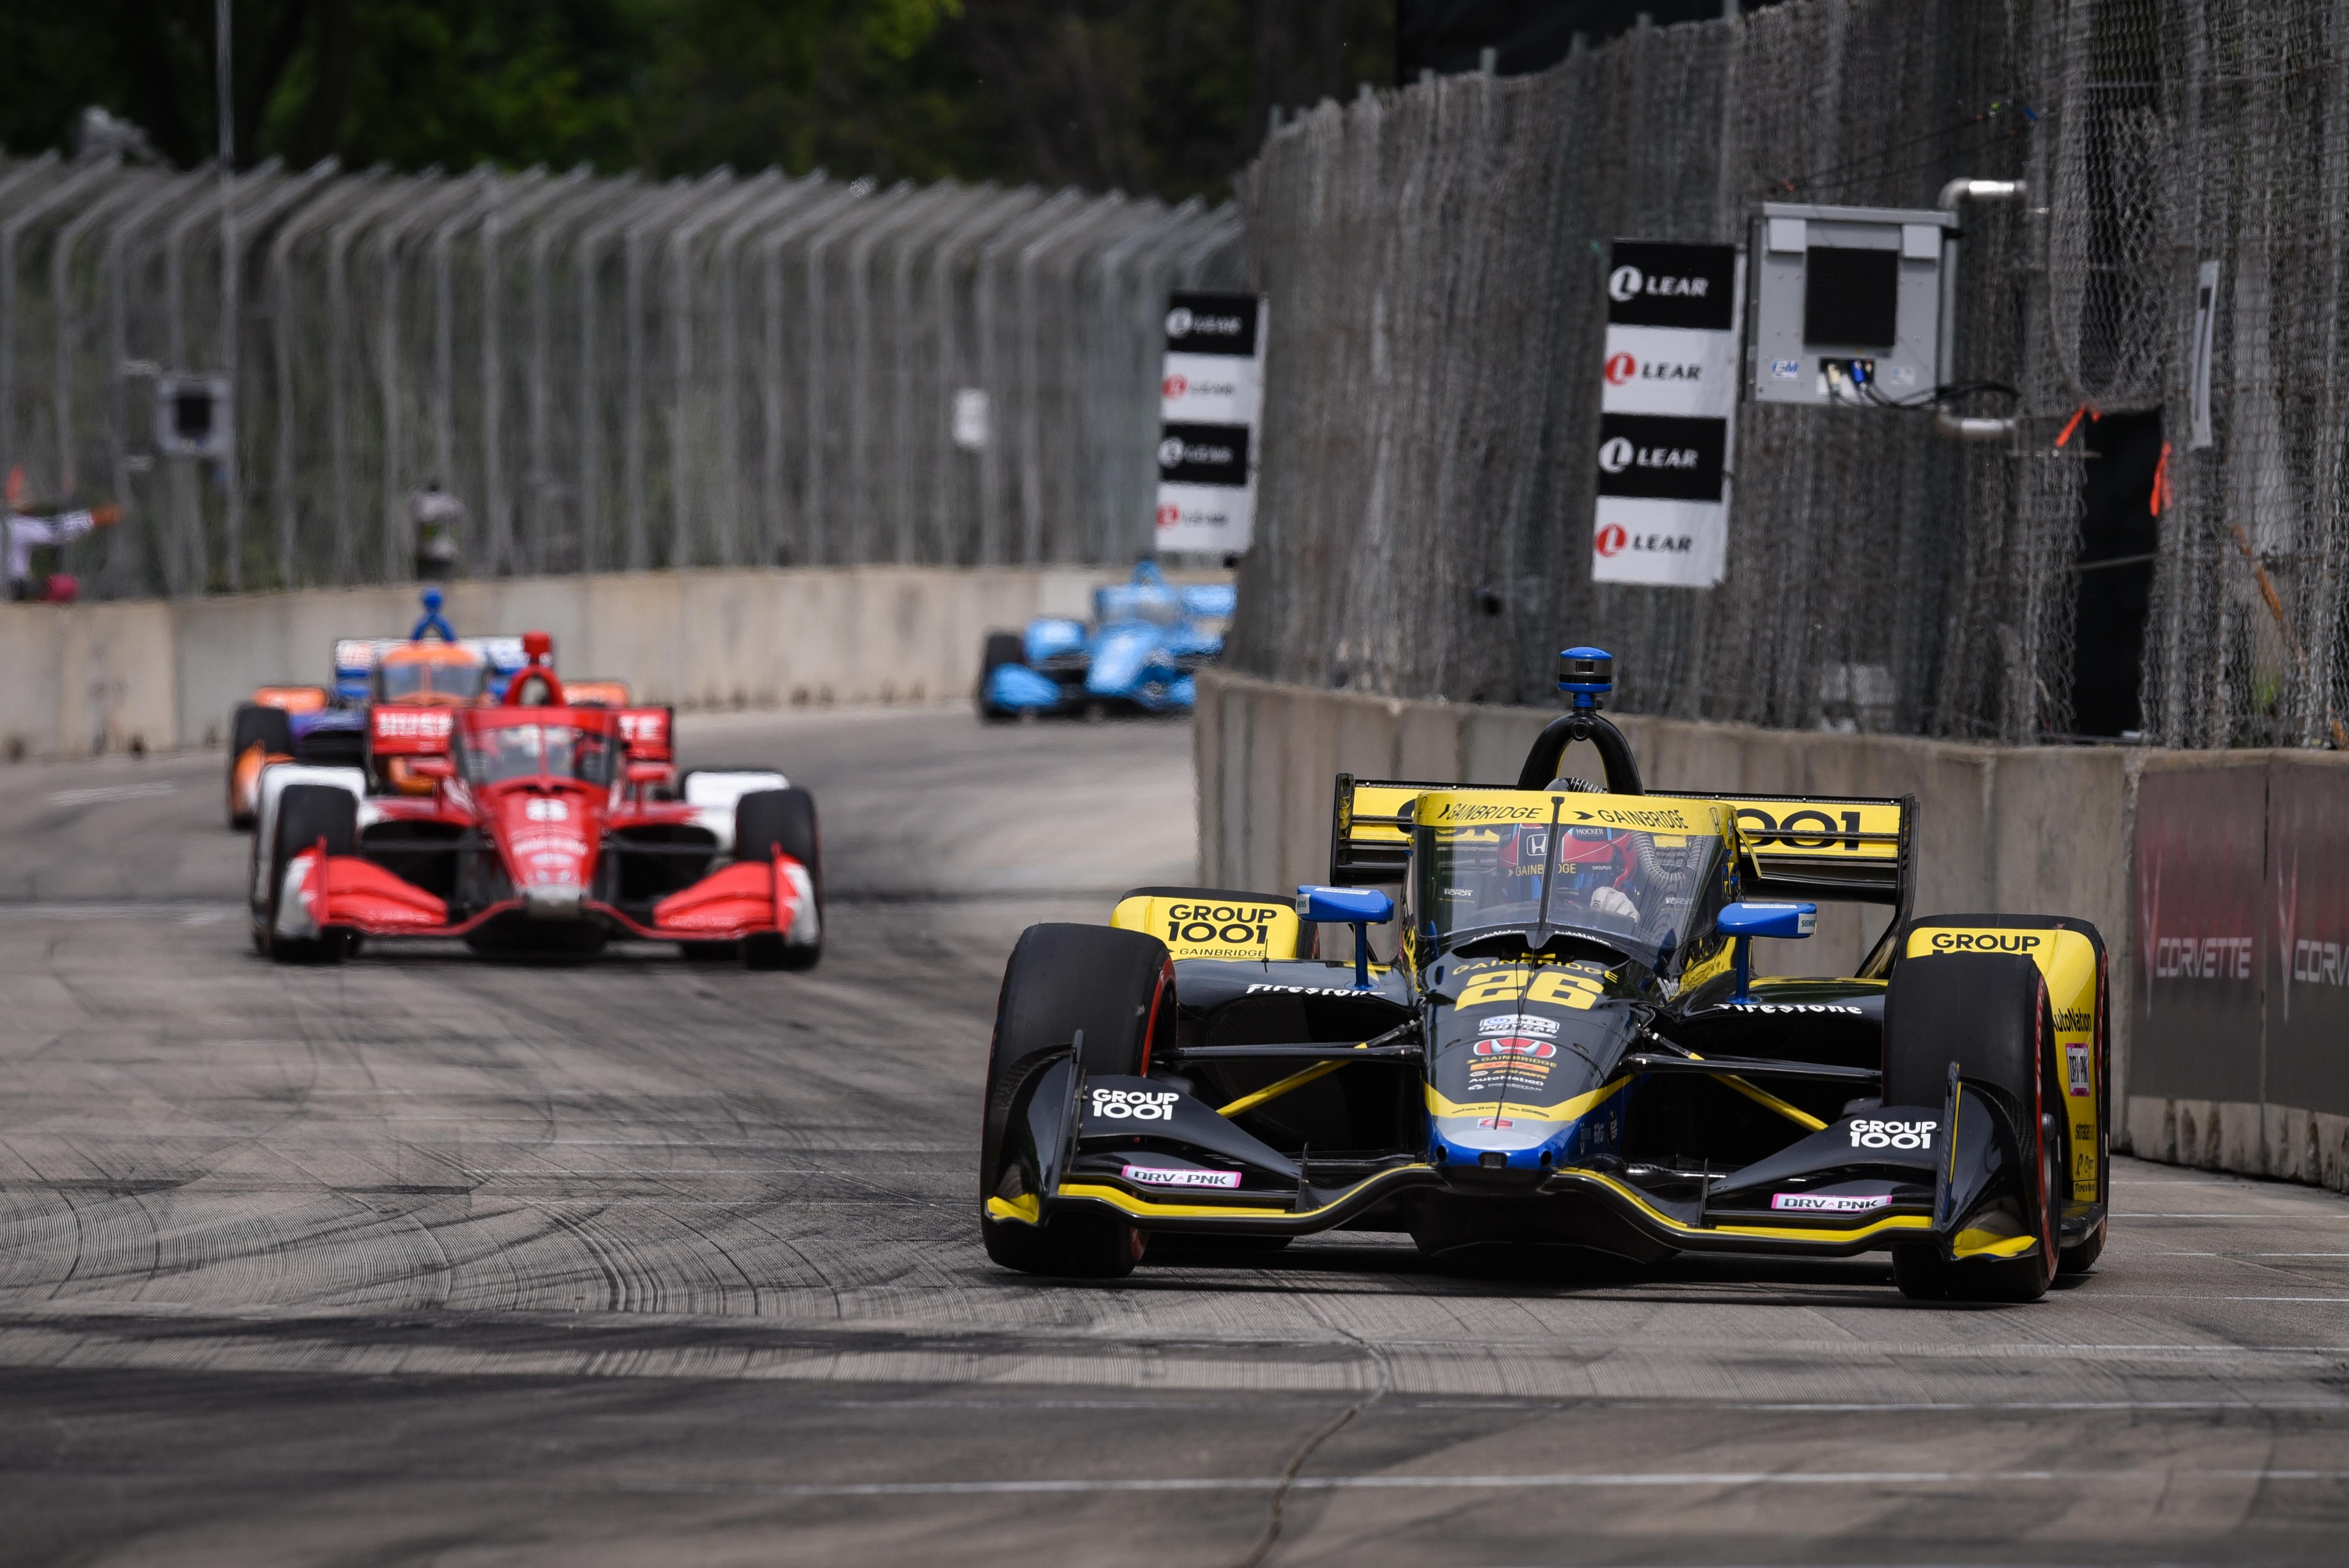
1566	1049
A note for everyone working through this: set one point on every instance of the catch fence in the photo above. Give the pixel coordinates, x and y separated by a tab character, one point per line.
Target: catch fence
607	373
1435	259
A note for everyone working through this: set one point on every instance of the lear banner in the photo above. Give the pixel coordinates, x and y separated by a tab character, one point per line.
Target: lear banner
1669	412
1210	397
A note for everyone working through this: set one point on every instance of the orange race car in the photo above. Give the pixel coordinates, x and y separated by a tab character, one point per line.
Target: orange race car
328	726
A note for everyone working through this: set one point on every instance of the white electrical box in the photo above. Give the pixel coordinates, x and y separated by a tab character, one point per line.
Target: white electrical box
194	415
1847	304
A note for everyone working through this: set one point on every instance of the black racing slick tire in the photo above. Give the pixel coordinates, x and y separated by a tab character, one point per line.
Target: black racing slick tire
1118	986
1001	649
307	813
766	820
1989	1013
255	723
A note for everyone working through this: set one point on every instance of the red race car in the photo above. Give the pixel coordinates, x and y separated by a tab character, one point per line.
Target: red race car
549	829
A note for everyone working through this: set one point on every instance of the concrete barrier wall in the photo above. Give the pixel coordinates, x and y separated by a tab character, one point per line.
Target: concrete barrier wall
2022	830
151	675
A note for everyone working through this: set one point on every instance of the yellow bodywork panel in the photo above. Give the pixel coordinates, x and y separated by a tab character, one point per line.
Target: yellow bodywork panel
1774	827
1649	813
2068	962
1215	926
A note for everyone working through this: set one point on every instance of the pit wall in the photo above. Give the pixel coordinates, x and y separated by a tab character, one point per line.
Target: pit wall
155	674
2224	910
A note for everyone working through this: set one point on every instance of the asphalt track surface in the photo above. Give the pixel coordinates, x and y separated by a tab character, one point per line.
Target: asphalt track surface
425	1259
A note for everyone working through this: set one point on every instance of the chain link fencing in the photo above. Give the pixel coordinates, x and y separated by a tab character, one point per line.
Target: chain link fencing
607	373
1435	259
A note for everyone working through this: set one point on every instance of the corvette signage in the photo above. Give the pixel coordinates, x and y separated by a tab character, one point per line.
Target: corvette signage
1209	395
1667	405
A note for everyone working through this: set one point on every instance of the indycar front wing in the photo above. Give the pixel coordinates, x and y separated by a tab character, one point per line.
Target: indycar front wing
1165	1160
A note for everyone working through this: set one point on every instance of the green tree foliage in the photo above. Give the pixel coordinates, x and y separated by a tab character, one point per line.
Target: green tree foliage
1162	96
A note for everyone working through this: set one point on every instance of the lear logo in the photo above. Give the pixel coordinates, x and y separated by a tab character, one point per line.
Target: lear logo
1618	454
1610	539
1182	323
1630	283
1622	368
1182	385
1662	544
1168	516
1173	451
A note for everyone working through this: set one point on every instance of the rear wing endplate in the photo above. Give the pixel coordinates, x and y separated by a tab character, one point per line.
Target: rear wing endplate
1846	849
1370	828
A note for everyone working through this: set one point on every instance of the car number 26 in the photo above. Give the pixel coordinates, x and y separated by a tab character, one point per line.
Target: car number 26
1558	987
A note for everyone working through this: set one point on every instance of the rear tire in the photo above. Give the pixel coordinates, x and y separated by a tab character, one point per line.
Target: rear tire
306	814
255	723
766	820
1989	1013
1118	987
1001	649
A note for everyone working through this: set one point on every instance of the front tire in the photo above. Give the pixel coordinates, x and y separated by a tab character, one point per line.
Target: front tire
1118	986
254	725
766	820
1001	649
306	813
1989	1013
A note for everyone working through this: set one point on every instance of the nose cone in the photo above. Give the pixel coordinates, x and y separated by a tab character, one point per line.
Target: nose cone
1524	1083
549	846
552	901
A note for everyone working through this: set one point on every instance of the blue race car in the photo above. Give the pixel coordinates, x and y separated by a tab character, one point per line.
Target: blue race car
1146	640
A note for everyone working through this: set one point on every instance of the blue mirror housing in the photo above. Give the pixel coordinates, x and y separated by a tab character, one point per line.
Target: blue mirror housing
1750	919
1360	907
1350	906
1773	919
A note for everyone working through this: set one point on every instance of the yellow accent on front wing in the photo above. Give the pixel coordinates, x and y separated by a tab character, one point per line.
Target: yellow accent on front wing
1143	1208
1024	1207
1770	1232
1989	1244
1572	1111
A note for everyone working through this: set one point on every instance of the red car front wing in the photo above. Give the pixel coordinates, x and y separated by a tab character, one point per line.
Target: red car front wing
746	899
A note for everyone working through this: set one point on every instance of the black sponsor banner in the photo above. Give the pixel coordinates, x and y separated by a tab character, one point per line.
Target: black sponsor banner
1650	284
2201	957
1661	457
1211	323
1202	454
2308	950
